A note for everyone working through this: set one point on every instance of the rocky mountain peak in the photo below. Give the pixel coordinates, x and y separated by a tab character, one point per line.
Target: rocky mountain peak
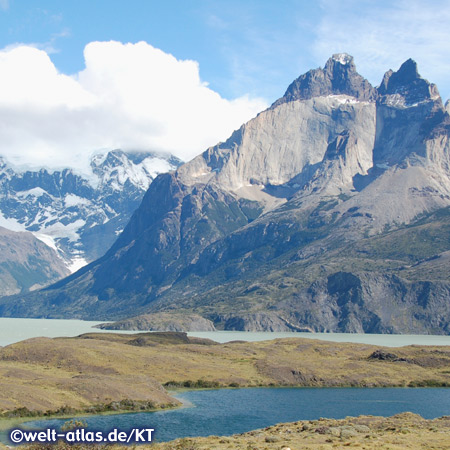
406	86
340	63
338	77
408	71
342	58
447	106
117	167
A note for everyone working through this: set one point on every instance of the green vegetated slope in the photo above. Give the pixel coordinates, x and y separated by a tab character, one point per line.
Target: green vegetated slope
411	257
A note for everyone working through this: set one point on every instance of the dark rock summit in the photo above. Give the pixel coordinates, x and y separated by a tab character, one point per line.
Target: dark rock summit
408	84
339	76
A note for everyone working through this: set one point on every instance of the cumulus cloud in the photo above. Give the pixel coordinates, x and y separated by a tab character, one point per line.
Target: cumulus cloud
129	96
382	35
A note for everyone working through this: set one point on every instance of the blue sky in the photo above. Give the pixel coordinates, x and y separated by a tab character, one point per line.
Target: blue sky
206	67
243	47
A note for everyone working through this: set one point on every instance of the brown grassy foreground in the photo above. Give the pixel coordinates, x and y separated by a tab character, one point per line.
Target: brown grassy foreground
109	372
403	431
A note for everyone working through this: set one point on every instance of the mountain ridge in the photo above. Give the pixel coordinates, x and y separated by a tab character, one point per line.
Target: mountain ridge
78	215
278	225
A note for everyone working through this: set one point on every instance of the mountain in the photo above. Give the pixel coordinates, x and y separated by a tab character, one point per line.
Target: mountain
329	211
26	263
79	216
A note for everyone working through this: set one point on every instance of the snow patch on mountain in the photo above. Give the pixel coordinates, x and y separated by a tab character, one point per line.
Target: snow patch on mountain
47	240
35	192
79	215
116	168
76	264
75	200
11	223
68	231
342	58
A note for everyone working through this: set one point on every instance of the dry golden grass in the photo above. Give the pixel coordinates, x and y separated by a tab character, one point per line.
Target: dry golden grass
399	432
403	431
50	374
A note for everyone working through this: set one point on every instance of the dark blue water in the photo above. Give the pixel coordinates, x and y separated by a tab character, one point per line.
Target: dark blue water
230	411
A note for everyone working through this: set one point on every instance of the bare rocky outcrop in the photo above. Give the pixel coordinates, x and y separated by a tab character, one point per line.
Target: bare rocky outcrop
161	322
26	263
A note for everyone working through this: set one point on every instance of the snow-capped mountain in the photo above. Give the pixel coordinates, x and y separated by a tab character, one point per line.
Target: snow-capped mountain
79	216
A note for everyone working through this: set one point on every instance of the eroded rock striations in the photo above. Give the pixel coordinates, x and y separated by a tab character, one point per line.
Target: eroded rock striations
322	213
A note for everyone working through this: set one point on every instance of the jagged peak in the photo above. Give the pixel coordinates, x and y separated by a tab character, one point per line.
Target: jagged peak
407	86
342	58
409	69
339	76
118	156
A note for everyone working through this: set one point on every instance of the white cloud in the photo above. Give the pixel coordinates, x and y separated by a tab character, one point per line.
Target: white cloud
129	96
382	35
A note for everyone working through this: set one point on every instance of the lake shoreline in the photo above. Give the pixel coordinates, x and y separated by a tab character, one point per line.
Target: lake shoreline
285	407
94	367
405	430
97	371
7	422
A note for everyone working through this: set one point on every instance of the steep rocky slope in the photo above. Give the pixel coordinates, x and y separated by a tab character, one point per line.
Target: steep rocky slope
319	214
26	263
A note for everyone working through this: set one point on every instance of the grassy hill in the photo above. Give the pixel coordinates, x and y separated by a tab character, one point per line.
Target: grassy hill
109	372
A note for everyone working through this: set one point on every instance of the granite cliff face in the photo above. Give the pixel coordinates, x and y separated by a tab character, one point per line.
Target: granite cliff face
322	213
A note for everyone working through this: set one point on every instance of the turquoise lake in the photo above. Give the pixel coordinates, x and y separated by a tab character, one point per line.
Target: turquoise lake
230	411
